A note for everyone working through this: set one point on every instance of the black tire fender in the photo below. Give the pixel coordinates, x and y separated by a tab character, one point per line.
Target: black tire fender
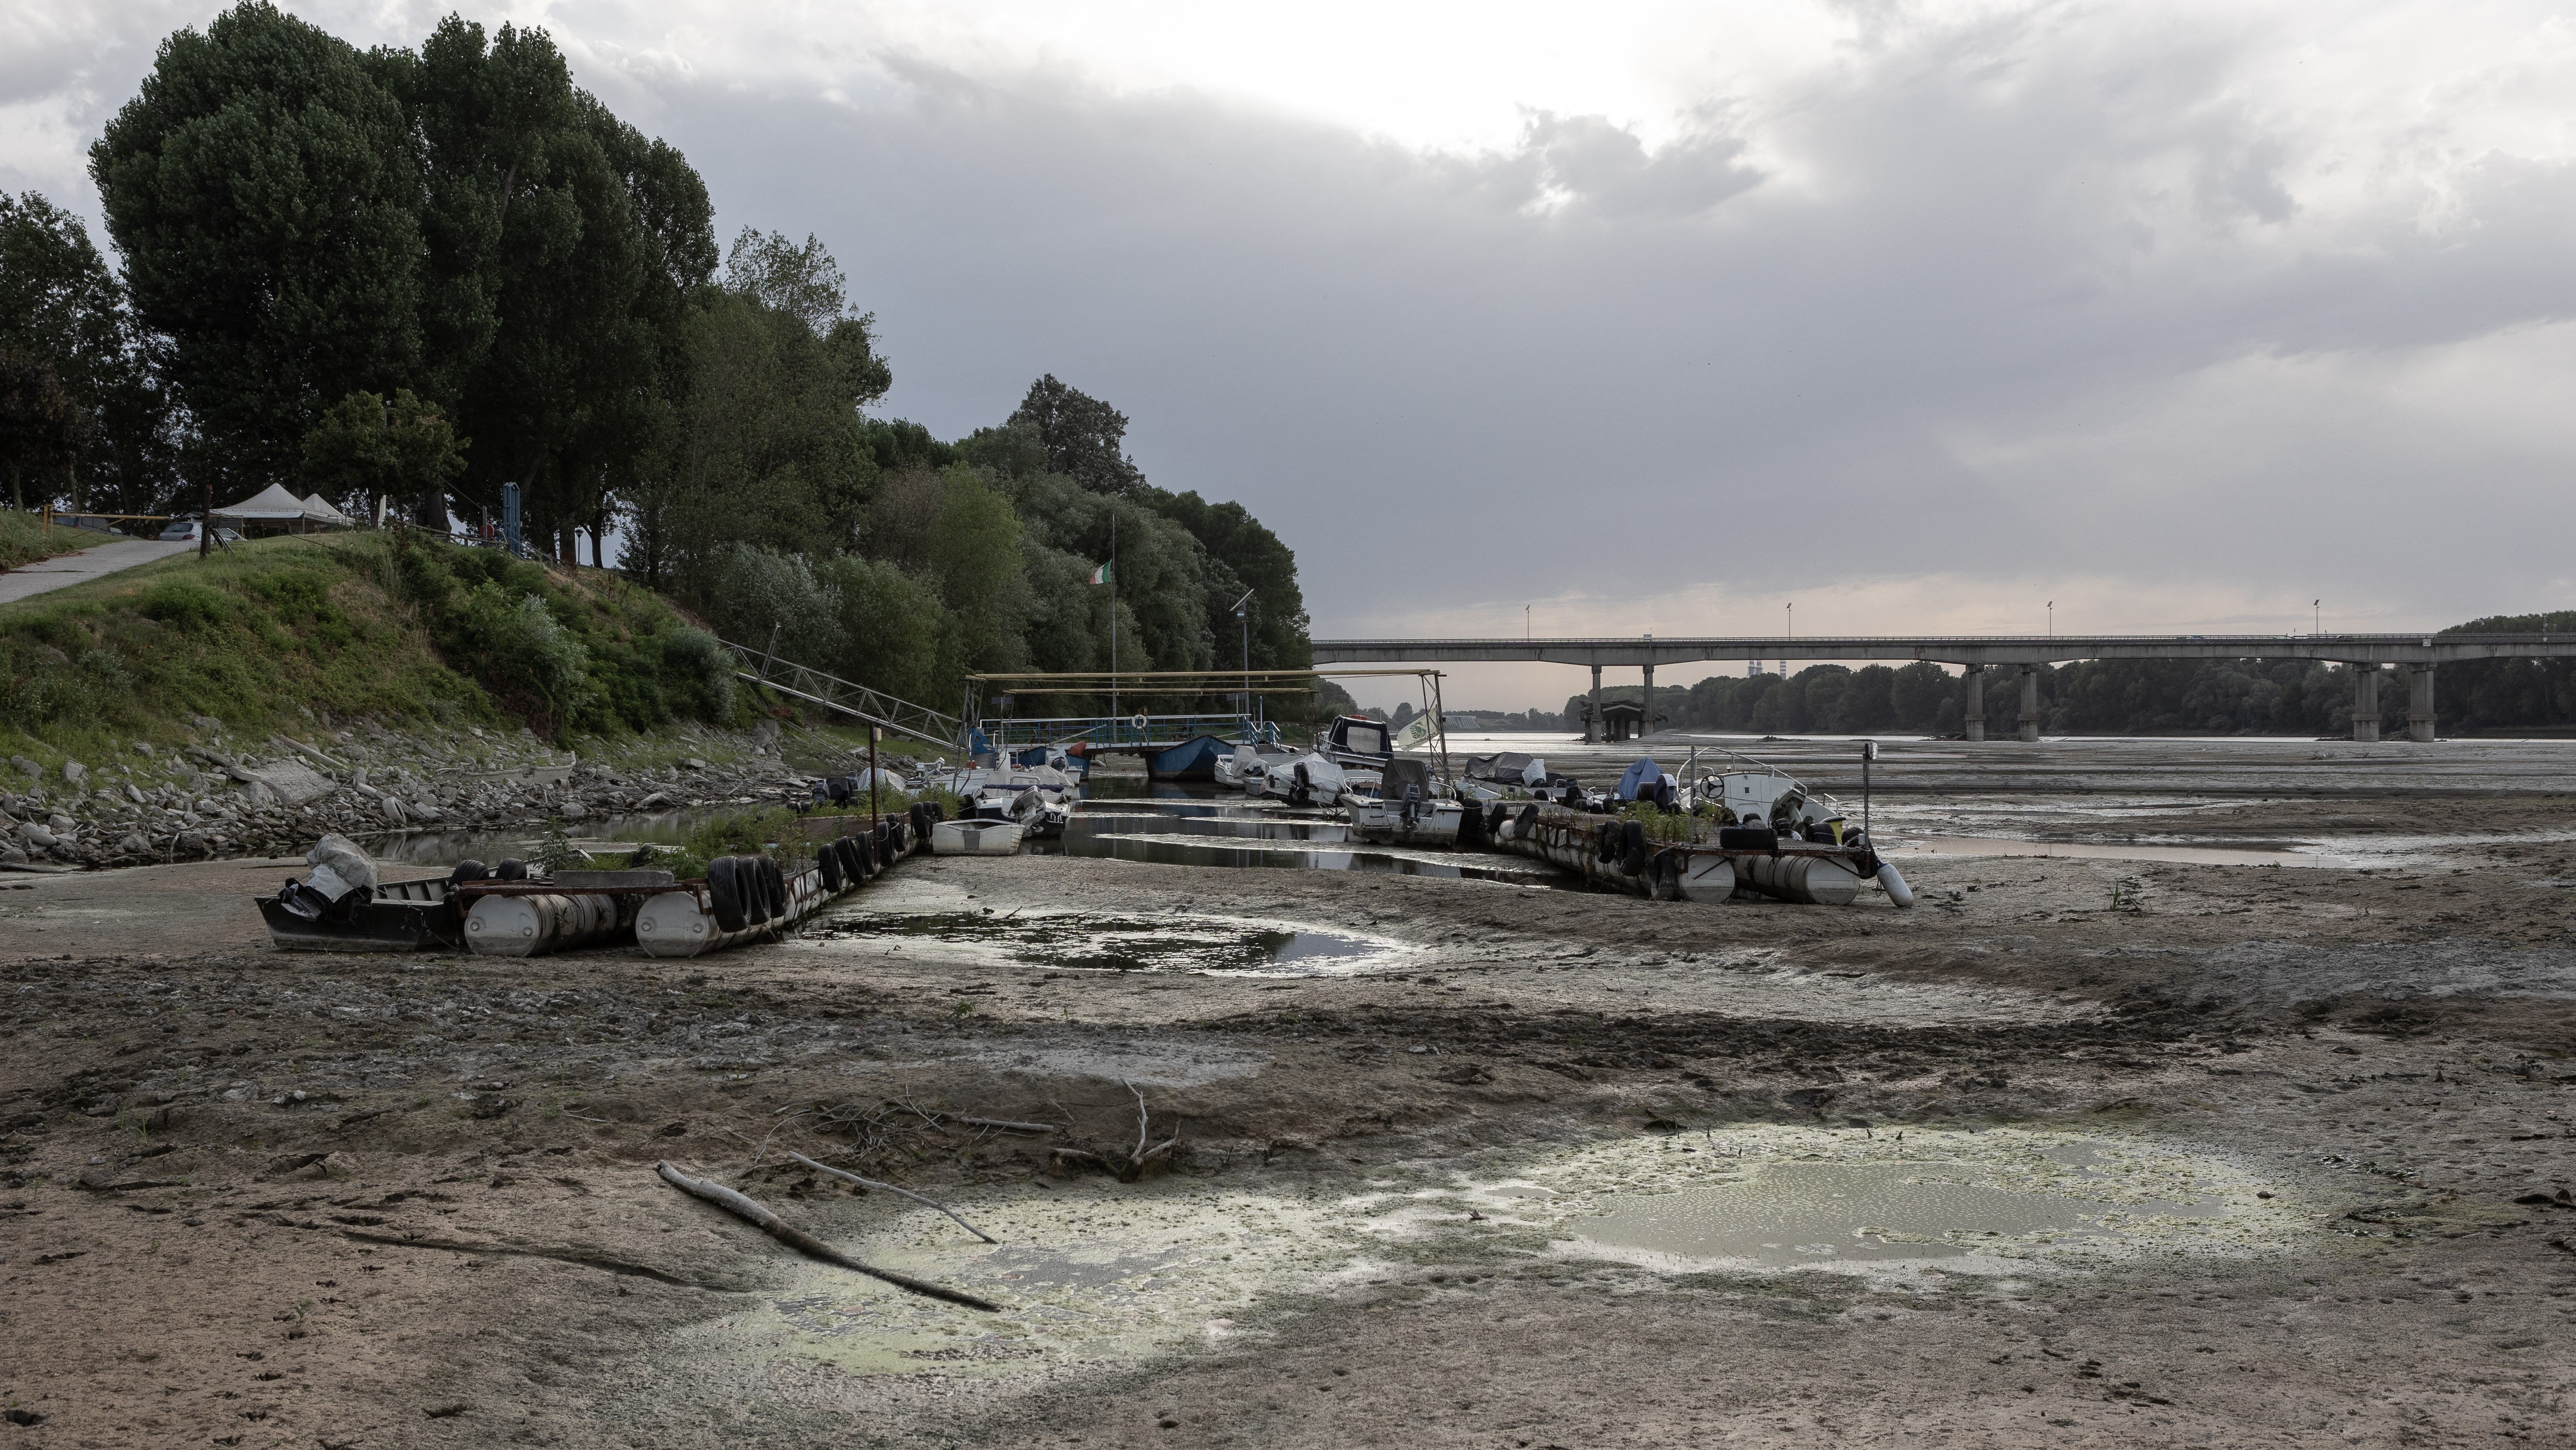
466	871
1632	854
724	894
512	869
828	861
773	888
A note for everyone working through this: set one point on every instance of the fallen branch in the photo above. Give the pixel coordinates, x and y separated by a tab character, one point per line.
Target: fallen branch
890	1188
1005	1124
771	1224
772	1133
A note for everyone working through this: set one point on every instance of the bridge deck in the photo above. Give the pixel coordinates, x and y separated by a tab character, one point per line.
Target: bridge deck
2377	649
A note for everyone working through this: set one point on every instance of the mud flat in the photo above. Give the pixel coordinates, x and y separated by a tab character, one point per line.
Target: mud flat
2087	1150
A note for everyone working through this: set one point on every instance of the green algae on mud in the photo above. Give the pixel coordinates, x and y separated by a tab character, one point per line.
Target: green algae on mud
1090	1273
1095	1274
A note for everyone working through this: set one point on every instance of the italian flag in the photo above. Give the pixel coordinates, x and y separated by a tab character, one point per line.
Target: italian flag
1099	575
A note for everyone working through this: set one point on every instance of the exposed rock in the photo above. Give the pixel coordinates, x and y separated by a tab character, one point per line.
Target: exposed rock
292	782
37	837
73	771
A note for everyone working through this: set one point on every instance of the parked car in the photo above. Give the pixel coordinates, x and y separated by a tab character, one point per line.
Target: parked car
185	531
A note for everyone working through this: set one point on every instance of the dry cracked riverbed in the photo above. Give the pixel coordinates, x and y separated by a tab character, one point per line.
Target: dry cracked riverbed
2082	1152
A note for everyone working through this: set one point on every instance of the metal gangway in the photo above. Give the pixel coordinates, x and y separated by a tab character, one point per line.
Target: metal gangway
900	717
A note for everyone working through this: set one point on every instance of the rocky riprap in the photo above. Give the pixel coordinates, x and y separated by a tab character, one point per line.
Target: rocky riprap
222	796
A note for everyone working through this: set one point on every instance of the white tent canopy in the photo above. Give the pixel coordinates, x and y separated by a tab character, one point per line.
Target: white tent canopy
275	504
318	507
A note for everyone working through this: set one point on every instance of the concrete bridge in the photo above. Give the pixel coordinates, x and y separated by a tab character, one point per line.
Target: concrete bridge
2366	654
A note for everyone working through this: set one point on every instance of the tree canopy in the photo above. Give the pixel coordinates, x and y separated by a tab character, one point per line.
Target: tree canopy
421	274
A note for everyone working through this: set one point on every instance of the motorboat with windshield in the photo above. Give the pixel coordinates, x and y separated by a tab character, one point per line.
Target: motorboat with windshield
1407	808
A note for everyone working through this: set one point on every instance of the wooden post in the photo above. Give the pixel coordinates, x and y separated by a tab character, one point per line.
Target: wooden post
874	820
206	526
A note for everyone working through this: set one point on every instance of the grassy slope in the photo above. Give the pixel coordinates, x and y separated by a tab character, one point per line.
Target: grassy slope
24	539
294	633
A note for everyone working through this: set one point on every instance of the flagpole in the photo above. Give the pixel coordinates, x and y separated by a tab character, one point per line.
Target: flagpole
1113	622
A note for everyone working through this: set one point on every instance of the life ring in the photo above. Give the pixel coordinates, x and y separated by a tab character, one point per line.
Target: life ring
1139	721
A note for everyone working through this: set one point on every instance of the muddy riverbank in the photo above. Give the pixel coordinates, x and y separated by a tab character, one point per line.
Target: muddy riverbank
2194	1154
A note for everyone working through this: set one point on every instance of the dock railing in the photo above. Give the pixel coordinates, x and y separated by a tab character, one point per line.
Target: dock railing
1134	732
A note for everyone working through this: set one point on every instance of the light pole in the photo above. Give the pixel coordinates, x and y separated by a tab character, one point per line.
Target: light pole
2317	620
1792	611
1243	611
2052	619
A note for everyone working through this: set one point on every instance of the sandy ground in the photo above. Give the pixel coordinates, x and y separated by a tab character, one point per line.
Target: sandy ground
258	1199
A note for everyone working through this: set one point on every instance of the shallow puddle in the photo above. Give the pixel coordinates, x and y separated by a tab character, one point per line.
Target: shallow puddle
1790	1198
1167	851
1075	942
2106	850
1796	1213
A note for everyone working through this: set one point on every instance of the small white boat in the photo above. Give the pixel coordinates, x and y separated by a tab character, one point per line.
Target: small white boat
1305	780
1246	768
1403	811
976	838
1039	797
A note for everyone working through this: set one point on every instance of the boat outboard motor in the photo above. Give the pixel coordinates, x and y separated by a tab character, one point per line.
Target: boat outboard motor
341	880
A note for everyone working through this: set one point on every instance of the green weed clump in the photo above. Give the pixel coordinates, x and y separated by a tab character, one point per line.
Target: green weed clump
24	539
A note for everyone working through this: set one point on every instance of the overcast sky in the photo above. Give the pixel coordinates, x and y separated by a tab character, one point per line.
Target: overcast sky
1660	317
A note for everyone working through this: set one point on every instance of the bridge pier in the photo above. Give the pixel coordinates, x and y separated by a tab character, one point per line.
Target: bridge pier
2030	703
1592	726
2419	703
2365	703
1976	722
1646	721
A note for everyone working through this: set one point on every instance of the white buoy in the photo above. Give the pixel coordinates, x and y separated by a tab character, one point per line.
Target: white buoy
1894	885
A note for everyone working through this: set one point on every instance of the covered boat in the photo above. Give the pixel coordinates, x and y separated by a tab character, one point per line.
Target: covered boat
1245	768
1193	759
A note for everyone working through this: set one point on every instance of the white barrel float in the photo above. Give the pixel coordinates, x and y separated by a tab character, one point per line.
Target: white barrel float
674	925
1814	880
526	926
1706	878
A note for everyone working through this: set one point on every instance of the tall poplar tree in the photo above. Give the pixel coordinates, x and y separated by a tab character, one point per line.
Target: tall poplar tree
264	191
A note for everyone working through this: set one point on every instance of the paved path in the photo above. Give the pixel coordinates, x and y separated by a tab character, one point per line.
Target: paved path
92	563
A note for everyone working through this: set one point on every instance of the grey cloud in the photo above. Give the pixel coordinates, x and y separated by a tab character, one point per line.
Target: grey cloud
1678	376
1608	169
1956	335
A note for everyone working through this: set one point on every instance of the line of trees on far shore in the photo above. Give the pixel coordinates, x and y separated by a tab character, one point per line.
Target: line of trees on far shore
2124	697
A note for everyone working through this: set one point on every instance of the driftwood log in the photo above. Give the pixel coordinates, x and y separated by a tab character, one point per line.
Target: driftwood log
759	1215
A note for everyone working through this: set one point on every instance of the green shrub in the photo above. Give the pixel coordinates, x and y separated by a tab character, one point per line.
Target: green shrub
186	603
